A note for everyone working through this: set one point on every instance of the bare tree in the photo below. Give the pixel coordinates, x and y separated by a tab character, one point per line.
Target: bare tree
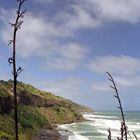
12	60
123	124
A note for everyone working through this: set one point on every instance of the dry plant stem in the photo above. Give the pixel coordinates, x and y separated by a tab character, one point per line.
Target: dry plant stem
123	125
12	60
135	135
109	134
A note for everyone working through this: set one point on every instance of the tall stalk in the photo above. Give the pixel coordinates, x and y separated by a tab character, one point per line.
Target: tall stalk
12	60
109	134
123	124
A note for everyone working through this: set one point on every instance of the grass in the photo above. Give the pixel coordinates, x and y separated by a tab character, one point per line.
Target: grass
6	127
59	115
30	120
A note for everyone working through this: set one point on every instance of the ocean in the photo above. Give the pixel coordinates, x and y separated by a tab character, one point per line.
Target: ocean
98	123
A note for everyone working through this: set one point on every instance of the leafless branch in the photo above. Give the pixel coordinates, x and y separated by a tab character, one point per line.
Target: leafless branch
10	42
12	60
109	134
134	135
123	124
19	70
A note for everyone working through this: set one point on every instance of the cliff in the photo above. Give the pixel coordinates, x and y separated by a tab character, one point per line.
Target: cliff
36	109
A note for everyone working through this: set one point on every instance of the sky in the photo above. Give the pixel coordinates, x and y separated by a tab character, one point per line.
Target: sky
66	47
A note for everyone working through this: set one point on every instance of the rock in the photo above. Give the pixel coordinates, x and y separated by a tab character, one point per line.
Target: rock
47	134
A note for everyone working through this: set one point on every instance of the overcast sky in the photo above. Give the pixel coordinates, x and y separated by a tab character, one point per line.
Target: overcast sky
65	46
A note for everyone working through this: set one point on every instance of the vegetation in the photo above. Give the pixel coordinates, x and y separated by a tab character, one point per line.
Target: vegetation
36	109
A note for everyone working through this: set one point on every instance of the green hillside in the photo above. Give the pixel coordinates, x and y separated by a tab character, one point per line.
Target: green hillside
36	109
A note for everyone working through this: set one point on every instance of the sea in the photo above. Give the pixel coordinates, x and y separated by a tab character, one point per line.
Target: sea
95	128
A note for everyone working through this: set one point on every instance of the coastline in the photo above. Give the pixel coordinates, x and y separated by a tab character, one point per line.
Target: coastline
56	132
97	124
49	134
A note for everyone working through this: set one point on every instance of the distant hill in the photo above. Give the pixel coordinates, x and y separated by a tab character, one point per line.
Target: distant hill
36	109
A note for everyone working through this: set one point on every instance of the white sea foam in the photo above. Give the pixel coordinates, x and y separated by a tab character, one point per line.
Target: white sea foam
133	127
76	136
92	117
114	124
104	123
65	126
96	127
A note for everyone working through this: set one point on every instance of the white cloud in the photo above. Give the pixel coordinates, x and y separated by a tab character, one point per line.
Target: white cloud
121	65
77	17
125	81
128	83
40	37
68	87
83	14
125	84
100	87
115	10
124	69
69	56
44	1
123	10
93	13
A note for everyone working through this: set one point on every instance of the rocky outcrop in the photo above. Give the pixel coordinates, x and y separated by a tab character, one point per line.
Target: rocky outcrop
48	134
6	104
27	98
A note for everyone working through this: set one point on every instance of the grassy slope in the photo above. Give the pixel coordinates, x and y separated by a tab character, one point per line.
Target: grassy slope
36	109
29	122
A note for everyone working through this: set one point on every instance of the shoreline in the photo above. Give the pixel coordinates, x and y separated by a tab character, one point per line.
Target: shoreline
54	133
49	134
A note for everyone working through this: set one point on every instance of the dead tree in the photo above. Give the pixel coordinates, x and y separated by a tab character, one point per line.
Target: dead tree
123	124
12	60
